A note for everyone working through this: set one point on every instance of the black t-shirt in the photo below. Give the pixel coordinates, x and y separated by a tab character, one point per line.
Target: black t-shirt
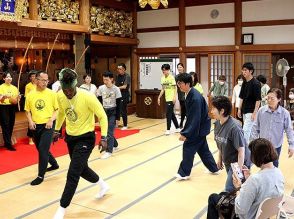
121	80
250	93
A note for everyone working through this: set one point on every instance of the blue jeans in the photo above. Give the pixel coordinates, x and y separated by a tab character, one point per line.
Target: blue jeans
276	162
111	116
229	186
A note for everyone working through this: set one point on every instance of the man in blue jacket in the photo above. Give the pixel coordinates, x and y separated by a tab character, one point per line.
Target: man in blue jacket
195	130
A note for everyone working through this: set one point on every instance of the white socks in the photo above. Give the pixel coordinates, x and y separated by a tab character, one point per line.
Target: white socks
104	187
59	213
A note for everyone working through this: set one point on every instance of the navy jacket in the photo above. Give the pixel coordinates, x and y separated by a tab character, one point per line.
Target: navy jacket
198	122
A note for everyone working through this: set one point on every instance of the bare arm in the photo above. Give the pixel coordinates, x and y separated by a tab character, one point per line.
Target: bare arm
160	94
241	156
32	125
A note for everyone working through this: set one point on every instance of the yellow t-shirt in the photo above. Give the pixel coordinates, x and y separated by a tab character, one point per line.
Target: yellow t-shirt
41	104
29	87
169	86
79	113
199	88
8	90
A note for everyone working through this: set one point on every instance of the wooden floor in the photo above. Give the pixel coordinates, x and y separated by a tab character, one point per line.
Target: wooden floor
141	176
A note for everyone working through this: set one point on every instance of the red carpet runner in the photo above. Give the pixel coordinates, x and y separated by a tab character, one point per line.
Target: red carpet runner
26	155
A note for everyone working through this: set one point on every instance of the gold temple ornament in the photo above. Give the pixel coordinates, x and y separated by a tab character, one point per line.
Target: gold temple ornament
11	10
153	3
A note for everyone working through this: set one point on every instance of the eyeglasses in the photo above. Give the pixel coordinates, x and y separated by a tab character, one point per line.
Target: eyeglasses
43	80
179	83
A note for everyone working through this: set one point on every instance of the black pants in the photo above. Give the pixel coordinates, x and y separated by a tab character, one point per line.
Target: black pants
183	112
124	109
43	139
79	148
212	212
7	120
170	115
190	148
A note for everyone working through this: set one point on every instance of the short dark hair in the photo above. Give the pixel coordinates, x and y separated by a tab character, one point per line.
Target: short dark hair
86	75
249	66
165	67
277	91
222	77
222	102
68	76
262	152
4	75
180	64
108	74
185	77
40	72
122	65
240	77
32	72
195	75
261	79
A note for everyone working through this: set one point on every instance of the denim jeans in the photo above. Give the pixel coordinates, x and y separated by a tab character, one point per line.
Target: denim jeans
111	116
229	186
248	124
276	162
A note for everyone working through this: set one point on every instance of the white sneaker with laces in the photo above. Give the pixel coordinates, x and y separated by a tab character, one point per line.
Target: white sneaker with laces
59	213
106	155
124	128
167	132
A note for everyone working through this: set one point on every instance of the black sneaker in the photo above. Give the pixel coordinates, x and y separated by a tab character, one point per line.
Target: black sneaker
54	167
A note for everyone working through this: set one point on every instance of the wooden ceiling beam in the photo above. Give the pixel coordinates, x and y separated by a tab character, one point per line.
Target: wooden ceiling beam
101	39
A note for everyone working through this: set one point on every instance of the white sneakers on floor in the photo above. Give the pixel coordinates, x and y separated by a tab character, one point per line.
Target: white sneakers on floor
124	128
104	187
167	132
178	130
59	213
179	177
106	155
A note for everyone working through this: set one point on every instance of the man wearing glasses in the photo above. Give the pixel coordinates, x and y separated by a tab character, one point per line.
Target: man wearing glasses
41	108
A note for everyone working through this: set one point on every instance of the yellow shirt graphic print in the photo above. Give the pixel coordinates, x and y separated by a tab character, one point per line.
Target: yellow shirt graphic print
41	104
169	86
8	90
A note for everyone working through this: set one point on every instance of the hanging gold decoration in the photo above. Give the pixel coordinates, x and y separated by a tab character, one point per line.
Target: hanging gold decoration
153	3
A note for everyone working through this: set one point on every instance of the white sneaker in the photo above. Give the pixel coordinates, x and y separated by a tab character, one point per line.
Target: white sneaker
213	173
59	213
106	155
178	130
167	132
124	128
104	187
179	177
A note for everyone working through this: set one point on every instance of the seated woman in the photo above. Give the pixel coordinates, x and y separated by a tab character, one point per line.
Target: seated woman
87	85
267	183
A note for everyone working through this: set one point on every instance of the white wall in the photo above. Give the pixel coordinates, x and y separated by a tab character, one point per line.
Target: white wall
272	34
159	39
210	37
201	14
158	18
268	10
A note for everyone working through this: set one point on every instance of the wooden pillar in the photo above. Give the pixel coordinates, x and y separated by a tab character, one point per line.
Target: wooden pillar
79	47
33	9
85	13
198	66
134	58
238	35
182	32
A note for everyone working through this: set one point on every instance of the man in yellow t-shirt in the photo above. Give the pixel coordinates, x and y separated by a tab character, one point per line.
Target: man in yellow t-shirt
41	108
29	87
169	88
9	96
79	108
